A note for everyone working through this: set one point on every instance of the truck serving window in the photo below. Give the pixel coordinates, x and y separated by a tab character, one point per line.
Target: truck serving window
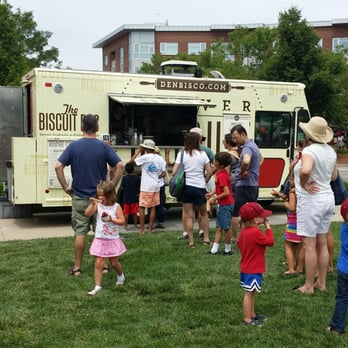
165	124
272	129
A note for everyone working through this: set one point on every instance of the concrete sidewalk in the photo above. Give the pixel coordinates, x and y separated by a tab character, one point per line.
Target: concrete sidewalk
53	225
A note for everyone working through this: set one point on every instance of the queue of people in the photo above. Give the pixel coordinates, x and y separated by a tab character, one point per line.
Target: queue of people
236	172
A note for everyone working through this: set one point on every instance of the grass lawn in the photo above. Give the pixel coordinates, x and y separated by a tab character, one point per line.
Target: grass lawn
173	297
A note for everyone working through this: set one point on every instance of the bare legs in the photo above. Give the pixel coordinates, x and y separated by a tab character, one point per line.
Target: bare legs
290	253
323	261
316	258
248	306
98	268
142	219
235	228
79	248
331	248
188	218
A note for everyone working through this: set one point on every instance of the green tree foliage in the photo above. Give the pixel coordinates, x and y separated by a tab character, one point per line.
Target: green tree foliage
22	46
297	57
154	67
250	49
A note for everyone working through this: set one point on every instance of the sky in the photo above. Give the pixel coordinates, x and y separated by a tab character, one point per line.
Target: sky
77	24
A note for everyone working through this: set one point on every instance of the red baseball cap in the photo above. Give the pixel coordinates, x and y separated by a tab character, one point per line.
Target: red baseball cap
252	210
344	209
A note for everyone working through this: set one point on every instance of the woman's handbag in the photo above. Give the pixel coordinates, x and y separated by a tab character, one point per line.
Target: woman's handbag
339	189
177	182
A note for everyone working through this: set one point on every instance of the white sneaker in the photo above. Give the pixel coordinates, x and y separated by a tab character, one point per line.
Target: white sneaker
120	279
94	291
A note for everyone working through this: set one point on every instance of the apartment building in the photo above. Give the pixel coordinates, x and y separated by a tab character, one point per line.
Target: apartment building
126	48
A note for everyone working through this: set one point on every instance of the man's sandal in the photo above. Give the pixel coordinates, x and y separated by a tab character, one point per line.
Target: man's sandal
75	272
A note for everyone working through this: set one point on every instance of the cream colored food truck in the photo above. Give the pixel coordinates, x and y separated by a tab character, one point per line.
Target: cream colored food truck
159	107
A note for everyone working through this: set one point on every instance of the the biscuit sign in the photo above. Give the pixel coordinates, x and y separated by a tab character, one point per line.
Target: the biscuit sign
60	121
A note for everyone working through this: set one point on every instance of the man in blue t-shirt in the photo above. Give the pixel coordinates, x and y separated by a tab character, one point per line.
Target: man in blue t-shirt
248	169
88	159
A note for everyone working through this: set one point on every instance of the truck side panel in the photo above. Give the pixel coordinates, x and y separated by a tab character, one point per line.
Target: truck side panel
22	188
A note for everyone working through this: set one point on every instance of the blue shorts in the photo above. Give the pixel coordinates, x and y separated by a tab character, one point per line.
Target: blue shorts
251	281
224	216
194	195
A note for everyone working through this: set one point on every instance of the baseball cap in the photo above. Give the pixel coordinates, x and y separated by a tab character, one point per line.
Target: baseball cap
252	210
344	209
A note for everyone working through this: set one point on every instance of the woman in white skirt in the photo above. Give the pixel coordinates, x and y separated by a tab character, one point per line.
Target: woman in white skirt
107	242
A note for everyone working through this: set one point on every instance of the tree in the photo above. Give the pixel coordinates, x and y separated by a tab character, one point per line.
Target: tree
154	67
251	49
22	46
298	57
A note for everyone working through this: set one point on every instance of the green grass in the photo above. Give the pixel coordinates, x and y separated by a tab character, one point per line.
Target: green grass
173	297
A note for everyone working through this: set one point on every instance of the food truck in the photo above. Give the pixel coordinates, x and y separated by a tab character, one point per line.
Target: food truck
159	107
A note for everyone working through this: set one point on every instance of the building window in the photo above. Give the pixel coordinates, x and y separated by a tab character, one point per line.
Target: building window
227	51
113	61
339	43
106	60
320	43
196	47
143	50
169	48
121	59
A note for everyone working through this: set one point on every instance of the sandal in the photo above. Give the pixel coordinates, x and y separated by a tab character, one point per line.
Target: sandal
192	245
105	270
207	242
75	272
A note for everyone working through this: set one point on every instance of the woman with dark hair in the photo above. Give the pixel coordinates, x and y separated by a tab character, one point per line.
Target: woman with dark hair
197	172
233	149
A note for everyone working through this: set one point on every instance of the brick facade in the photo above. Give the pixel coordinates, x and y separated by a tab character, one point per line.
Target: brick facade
120	40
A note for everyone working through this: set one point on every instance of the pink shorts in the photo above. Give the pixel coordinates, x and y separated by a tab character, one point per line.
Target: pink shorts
149	199
130	208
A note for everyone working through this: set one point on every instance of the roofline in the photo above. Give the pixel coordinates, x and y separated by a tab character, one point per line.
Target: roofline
213	27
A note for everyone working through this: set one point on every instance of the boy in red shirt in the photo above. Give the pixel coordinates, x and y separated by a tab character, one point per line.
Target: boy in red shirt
252	243
223	195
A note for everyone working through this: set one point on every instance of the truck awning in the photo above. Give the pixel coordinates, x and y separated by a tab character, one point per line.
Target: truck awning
160	100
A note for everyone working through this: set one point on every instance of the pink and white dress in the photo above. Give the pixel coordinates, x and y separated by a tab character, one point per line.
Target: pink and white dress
107	241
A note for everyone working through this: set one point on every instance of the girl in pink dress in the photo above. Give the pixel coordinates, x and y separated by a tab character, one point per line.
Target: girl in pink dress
107	242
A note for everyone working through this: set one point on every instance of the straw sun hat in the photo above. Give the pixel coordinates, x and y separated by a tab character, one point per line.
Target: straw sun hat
317	129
